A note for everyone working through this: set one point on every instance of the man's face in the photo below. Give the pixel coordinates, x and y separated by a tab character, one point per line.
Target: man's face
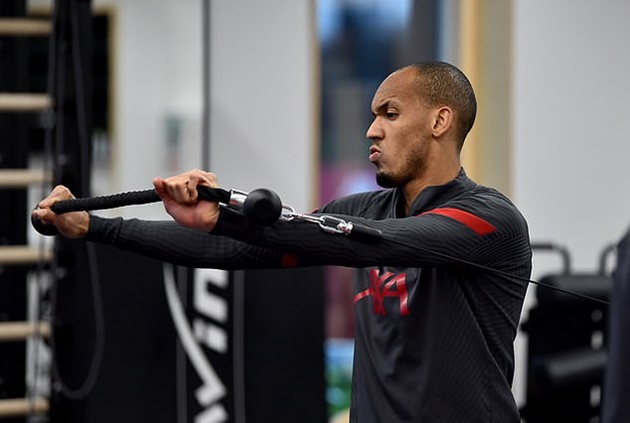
400	132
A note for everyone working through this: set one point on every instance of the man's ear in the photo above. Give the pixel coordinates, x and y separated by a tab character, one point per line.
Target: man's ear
443	121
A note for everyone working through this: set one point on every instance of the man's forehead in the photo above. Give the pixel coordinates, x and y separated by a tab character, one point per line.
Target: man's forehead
385	101
396	87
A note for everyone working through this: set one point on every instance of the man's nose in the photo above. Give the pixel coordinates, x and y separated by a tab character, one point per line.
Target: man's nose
374	131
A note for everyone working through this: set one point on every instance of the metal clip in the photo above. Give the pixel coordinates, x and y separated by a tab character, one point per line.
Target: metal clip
336	225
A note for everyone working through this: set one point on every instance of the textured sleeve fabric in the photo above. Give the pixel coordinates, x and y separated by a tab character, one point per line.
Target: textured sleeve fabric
170	242
486	232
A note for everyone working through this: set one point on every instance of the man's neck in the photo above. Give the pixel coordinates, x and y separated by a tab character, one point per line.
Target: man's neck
413	188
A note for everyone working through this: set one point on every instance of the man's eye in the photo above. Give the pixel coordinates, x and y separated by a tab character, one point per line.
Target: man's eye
391	115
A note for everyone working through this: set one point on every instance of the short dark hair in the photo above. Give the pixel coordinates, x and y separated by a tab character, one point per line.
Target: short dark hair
441	83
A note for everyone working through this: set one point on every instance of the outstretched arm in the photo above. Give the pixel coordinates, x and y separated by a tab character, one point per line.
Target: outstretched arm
431	239
480	228
173	243
163	240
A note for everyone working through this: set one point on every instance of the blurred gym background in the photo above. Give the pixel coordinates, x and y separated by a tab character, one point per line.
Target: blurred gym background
103	95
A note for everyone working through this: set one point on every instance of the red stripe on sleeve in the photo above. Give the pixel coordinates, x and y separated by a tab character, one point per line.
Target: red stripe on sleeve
289	261
475	223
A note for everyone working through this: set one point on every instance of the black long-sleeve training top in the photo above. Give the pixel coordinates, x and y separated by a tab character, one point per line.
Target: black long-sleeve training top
434	326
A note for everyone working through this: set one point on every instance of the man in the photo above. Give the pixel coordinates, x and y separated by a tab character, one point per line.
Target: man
437	299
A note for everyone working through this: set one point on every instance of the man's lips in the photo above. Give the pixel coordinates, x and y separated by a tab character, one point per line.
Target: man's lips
375	154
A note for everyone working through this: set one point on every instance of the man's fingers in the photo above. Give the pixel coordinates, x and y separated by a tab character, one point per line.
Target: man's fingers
158	184
59	193
38	214
182	188
199	177
44	215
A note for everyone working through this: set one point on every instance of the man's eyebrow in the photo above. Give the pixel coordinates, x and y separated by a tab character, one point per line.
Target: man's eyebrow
384	105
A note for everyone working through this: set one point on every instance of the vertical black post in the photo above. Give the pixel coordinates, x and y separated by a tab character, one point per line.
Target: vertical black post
74	321
14	128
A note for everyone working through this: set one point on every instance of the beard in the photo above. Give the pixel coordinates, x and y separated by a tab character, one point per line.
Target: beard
386	180
414	166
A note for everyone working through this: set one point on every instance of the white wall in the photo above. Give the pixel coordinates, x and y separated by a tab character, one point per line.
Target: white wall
572	122
262	103
157	65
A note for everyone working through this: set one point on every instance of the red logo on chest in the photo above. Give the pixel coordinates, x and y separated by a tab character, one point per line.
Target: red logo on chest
383	286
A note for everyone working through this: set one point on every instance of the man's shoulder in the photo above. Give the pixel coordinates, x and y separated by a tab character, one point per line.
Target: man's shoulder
358	203
480	195
491	204
489	196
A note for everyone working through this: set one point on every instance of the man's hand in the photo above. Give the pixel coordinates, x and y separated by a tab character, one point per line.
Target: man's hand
70	225
181	199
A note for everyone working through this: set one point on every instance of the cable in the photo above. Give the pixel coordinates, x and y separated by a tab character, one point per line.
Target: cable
88	383
335	225
497	271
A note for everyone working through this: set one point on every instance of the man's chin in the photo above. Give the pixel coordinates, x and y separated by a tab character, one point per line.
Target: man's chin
385	181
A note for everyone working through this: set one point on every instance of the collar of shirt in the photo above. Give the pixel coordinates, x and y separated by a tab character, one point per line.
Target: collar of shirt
435	196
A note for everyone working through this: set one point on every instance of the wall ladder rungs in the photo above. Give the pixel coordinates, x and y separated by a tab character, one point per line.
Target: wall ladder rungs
24	27
16	255
20	331
22	407
21	178
24	102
